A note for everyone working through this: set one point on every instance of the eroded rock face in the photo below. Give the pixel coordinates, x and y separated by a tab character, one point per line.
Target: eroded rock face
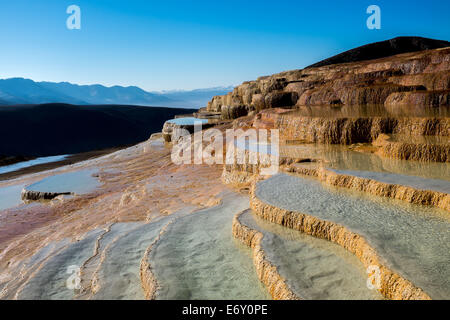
172	132
413	149
420	78
29	195
348	130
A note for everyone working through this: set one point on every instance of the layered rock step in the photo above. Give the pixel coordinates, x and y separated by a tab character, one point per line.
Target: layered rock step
104	264
176	128
408	243
412	189
197	257
343	158
418	148
410	79
49	280
424	183
358	124
295	265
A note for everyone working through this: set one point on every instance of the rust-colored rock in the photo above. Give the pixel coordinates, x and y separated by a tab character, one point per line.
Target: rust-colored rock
419	78
348	130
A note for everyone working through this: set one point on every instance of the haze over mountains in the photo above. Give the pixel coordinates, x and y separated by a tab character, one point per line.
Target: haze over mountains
24	91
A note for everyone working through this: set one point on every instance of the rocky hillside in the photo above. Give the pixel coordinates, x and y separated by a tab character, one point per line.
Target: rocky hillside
384	49
415	78
53	129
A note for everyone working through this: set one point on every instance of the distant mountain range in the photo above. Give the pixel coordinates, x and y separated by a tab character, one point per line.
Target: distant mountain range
24	91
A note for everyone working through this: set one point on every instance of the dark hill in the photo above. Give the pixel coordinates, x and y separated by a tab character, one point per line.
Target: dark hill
384	49
52	129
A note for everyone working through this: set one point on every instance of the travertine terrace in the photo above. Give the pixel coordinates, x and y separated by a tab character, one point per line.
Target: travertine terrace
366	148
417	79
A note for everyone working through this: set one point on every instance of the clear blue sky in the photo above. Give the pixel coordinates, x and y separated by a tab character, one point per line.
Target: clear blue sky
171	44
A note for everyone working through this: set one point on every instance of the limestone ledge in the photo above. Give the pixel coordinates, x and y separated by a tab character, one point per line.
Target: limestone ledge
348	131
29	195
412	150
267	273
237	178
393	286
377	188
417	79
148	279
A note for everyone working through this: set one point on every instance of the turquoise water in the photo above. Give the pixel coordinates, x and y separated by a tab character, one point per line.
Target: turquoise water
30	163
188	121
10	196
413	240
78	182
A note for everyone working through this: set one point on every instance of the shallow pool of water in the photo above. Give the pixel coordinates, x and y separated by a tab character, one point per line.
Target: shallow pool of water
188	121
413	240
119	272
314	269
391	178
30	163
10	196
78	182
341	158
198	258
50	281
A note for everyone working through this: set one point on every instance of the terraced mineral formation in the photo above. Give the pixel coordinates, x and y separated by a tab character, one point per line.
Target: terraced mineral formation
196	258
176	128
414	79
417	148
378	188
294	265
348	129
266	271
405	243
105	232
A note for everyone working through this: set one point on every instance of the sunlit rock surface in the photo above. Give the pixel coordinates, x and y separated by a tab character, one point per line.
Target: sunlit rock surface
417	79
138	188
